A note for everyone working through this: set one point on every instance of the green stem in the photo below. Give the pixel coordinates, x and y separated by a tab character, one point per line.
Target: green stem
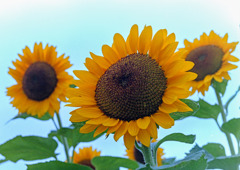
229	139
147	154
65	143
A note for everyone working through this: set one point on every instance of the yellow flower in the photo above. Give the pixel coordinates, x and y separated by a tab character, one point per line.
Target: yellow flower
134	154
133	87
85	156
211	55
41	80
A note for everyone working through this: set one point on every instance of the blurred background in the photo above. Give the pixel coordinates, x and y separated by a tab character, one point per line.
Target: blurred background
77	27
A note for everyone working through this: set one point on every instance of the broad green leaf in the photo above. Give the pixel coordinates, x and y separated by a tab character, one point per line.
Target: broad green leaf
179	137
113	163
215	149
207	110
72	86
28	148
181	115
231	98
4	160
57	165
220	87
168	161
195	160
73	135
225	163
233	126
46	116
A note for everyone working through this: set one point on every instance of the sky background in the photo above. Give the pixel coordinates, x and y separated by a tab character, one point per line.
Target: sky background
77	27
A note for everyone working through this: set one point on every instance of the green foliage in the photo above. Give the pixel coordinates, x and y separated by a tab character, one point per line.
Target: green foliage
57	165
168	161
181	115
4	160
207	110
225	163
233	126
113	163
215	149
73	135
220	87
46	116
72	86
28	148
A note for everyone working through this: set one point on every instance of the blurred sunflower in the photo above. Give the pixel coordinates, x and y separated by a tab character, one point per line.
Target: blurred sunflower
134	154
41	80
133	87
211	56
85	156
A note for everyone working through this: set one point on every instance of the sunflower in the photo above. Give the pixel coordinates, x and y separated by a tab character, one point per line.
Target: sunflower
134	154
85	156
133	87
211	56
41	80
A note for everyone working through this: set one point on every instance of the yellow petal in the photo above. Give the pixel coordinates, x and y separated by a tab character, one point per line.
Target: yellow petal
120	45
145	40
129	140
132	40
101	61
152	129
111	122
157	42
133	129
109	54
81	101
89	112
143	122
99	130
144	137
87	128
98	121
121	130
182	107
163	120
94	68
86	76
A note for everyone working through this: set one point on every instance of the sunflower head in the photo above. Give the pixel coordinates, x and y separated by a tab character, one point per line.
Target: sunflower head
41	80
134	154
84	156
133	87
211	55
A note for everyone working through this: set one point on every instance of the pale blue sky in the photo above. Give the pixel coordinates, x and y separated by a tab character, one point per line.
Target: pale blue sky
77	27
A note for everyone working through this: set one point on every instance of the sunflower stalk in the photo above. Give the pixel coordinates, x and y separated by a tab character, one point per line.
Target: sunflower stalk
64	140
224	118
147	154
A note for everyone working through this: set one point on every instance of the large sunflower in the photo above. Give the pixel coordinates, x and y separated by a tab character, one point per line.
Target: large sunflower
133	87
84	156
211	55
41	80
134	154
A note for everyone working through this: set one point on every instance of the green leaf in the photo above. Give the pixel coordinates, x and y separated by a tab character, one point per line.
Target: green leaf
113	163
4	160
73	135
28	148
215	149
233	126
179	137
46	116
72	86
225	163
168	161
207	110
195	160
181	115
220	87
57	165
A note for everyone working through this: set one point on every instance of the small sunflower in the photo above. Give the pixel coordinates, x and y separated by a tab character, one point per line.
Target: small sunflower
134	154
211	56
85	156
133	87
41	80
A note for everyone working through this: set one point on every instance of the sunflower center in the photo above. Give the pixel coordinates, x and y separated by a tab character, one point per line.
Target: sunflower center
132	88
138	156
87	162
39	81
207	60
